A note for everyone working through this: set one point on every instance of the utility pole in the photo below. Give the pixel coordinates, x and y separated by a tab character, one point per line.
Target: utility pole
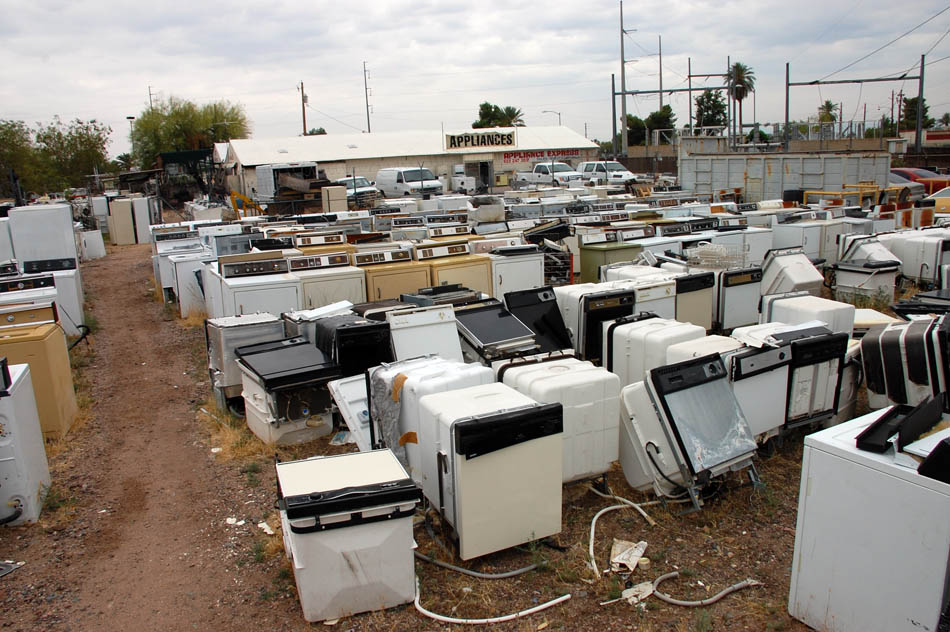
892	112
303	108
920	109
729	118
150	97
366	94
900	109
613	110
624	141
585	128
786	107
659	39
689	77
840	118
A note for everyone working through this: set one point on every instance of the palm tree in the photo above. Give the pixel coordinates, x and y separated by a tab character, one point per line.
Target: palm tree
827	112
742	80
510	116
945	119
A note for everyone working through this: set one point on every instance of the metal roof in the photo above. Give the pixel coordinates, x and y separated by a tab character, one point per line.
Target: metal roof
335	147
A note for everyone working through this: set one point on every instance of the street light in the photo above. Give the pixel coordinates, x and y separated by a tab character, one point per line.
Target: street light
553	112
131	142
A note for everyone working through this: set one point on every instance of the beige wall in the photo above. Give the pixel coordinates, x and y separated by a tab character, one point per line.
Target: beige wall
642	151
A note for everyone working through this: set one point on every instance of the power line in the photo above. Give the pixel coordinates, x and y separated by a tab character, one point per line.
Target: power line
879	49
840	19
332	118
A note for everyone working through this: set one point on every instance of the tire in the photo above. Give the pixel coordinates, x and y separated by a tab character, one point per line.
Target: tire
904	195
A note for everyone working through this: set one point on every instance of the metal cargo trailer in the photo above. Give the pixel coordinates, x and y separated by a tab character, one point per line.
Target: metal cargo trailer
767	176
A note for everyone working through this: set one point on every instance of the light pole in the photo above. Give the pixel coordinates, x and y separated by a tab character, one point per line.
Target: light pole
131	142
553	112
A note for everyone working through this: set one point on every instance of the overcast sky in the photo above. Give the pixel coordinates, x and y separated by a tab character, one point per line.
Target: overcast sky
431	63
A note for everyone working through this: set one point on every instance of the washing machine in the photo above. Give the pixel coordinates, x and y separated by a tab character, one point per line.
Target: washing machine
70	298
186	271
43	347
261	285
327	279
24	472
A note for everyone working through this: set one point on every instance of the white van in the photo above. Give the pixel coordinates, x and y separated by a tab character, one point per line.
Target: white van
605	172
400	181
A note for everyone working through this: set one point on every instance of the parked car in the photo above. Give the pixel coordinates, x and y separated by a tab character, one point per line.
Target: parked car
556	173
402	181
605	172
910	190
931	181
941	200
359	191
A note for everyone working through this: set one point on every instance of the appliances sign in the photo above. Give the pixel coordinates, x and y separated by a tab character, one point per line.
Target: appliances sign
533	156
477	140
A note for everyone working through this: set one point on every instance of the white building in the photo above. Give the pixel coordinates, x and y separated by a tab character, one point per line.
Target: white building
490	155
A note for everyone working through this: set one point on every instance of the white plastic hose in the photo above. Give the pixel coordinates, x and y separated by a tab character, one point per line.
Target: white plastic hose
593	525
629	503
490	620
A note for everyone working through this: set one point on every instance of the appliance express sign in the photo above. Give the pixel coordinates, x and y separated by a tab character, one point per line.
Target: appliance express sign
478	140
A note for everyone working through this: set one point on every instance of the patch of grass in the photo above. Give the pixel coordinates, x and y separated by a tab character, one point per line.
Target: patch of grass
59	507
879	301
777	624
195	319
251	473
258	552
538	555
615	589
231	434
92	322
703	621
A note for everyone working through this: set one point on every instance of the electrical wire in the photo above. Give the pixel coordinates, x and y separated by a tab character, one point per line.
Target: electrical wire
490	620
746	583
880	48
478	574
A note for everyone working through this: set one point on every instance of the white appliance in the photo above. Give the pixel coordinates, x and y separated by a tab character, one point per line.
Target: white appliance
806	235
516	268
223	336
752	243
789	270
814	378
657	296
38	288
207	233
327	279
6	242
90	244
636	344
867	525
739	292
258	286
499	456
905	362
682	426
851	380
100	210
795	310
185	271
43	231
142	219
590	400
24	473
347	528
759	378
584	306
920	253
396	389
425	331
286	400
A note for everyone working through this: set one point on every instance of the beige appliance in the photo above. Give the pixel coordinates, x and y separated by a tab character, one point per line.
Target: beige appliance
43	347
121	222
391	273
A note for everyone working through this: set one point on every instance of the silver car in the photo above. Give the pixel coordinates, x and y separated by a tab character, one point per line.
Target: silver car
910	191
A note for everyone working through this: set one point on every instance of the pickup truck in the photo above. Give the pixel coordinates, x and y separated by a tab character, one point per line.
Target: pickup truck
542	174
605	172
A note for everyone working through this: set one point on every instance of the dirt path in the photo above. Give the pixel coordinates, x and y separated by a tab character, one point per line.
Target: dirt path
146	545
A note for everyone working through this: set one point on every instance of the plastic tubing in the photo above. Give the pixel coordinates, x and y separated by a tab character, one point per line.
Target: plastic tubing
629	503
479	575
593	525
703	602
490	620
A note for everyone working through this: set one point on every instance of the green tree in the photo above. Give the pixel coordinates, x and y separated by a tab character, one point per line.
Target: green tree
711	109
661	119
491	115
124	161
742	80
828	112
316	131
909	116
945	119
888	128
176	124
16	153
636	131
